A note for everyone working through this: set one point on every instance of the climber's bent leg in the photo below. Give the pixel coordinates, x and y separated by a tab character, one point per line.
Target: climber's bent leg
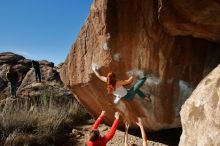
144	96
132	92
135	90
140	93
139	83
130	95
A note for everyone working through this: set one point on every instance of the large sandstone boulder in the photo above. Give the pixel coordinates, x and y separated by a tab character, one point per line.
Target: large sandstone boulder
200	114
127	37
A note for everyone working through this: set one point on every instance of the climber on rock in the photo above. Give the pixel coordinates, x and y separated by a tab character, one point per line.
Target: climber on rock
143	134
13	77
36	67
116	87
95	139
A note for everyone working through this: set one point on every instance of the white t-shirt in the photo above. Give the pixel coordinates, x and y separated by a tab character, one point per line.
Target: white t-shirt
120	92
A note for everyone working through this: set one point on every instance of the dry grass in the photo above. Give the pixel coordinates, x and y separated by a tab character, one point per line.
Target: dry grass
44	124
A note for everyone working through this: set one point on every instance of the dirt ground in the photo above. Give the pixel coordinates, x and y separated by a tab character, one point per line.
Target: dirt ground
81	132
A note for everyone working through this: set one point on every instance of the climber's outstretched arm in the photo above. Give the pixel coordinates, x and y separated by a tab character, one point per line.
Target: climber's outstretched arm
102	78
126	82
126	133
98	121
144	137
113	129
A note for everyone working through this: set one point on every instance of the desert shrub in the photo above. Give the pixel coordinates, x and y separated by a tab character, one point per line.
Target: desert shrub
49	122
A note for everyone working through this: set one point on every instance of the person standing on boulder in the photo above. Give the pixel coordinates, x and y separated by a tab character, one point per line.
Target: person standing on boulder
13	77
116	87
95	139
143	134
36	67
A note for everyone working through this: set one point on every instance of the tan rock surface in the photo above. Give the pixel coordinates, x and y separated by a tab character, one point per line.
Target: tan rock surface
126	37
200	114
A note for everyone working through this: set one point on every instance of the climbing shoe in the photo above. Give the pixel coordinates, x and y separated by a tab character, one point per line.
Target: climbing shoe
117	99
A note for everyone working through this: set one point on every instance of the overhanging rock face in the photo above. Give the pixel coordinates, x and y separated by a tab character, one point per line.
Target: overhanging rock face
126	37
191	17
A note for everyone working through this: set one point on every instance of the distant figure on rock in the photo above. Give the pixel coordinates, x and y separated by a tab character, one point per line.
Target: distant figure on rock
13	77
116	87
95	139
143	134
36	67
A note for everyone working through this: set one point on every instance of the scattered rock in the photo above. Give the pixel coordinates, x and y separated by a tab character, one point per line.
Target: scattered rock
76	133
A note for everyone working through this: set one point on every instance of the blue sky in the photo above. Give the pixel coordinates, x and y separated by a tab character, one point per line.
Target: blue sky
41	29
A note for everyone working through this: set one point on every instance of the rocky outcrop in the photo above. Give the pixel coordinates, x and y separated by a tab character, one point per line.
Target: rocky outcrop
28	88
10	58
18	62
128	38
200	115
